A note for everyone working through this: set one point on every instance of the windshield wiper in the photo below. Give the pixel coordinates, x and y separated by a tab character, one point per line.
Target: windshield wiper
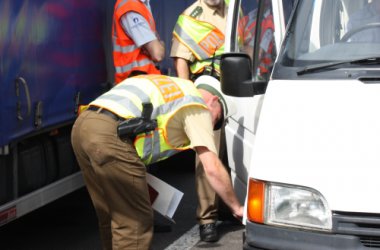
312	68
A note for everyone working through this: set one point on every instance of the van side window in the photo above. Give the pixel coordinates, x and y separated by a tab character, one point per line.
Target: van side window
266	51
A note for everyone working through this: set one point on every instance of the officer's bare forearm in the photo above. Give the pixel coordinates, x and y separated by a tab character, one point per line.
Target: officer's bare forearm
182	68
219	179
156	50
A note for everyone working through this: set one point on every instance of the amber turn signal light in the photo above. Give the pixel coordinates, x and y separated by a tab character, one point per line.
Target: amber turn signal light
256	196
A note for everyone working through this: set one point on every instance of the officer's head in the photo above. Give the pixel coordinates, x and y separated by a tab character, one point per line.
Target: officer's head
220	105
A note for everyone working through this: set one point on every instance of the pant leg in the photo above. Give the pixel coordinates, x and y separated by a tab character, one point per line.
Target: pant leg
92	185
208	200
116	180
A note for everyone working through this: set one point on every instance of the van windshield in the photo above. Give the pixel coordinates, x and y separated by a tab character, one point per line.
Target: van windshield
325	31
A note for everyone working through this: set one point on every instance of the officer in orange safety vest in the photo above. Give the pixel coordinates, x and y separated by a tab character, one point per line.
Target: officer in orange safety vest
136	44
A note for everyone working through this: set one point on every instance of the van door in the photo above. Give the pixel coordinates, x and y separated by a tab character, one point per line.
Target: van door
240	41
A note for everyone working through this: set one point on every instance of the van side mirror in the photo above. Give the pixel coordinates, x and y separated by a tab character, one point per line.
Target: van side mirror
236	76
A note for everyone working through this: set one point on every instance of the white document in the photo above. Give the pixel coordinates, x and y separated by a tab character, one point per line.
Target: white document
165	198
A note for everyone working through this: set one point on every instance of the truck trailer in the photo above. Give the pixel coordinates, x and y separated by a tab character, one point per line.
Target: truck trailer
53	58
55	55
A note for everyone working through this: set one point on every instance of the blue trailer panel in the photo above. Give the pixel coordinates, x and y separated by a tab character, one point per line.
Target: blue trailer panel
52	57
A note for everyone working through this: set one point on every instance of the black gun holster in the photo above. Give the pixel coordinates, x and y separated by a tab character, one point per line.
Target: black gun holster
130	128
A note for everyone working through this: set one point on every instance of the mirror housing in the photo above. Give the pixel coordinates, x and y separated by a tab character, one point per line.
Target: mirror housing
236	76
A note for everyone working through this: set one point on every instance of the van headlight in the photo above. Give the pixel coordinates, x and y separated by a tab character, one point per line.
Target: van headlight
290	206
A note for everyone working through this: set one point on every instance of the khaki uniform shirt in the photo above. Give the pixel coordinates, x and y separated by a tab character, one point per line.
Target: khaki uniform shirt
192	124
216	17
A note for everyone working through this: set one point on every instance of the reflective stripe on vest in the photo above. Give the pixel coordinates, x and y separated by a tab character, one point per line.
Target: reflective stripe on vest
133	65
127	56
167	95
203	39
123	49
199	66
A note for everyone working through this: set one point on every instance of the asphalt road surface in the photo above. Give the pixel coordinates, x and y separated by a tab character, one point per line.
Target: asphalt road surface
70	222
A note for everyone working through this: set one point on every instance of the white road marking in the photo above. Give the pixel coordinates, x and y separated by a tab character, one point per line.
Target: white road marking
186	241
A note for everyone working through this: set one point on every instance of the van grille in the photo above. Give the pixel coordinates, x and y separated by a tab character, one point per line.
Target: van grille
365	226
371	242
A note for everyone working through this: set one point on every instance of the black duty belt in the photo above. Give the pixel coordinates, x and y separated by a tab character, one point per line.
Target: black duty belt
106	112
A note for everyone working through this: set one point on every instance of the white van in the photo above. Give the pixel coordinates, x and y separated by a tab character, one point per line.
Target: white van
304	146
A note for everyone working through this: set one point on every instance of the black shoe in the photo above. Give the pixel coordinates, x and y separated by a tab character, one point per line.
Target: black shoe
208	232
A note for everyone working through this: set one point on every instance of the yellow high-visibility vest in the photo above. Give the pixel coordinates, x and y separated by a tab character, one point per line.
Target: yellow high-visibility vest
167	94
203	39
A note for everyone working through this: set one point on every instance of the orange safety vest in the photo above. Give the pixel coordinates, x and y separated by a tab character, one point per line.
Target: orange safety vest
249	34
126	55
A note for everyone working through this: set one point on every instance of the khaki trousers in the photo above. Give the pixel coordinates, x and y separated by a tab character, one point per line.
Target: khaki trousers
208	200
115	178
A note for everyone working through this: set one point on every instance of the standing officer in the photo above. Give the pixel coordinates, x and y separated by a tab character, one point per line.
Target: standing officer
136	44
198	42
198	39
142	120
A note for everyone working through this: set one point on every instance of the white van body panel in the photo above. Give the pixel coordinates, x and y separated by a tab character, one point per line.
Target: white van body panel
321	130
241	127
240	137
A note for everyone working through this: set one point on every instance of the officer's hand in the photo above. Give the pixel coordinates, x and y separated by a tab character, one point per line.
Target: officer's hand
239	213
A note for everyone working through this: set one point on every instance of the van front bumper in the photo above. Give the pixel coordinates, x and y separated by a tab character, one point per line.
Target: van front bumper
259	236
